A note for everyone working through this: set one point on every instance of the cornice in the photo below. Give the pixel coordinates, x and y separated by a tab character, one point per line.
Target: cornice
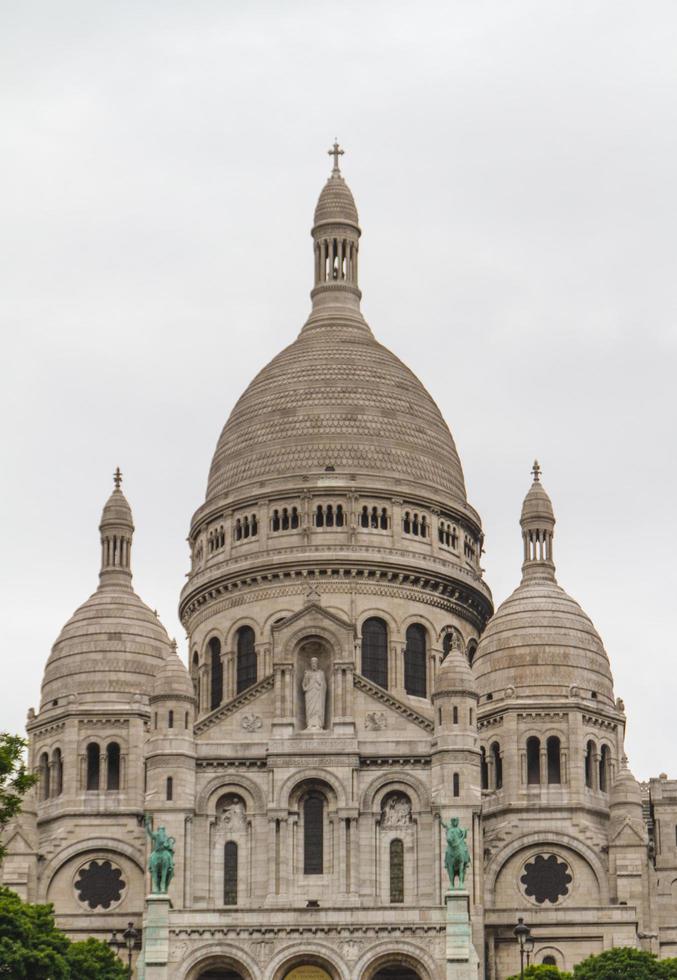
384	697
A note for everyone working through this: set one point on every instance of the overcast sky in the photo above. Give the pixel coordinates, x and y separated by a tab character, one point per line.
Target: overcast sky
514	168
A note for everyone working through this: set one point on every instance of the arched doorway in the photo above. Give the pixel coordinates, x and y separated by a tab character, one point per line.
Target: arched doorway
396	971
219	973
308	971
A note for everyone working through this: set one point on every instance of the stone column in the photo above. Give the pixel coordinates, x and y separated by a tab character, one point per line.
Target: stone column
153	962
462	961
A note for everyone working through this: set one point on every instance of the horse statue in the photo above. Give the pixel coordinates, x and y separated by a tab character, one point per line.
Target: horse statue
457	856
161	861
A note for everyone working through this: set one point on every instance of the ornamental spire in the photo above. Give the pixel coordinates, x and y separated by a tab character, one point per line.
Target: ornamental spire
336	152
538	526
117	530
336	235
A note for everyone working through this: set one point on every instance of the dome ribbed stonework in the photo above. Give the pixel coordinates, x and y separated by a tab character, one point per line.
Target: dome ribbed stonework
541	642
336	203
173	680
336	397
109	650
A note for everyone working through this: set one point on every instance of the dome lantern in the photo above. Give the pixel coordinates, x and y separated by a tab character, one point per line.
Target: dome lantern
336	236
117	530
538	526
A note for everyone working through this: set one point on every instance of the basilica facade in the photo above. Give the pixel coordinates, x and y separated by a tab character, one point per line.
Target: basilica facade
349	690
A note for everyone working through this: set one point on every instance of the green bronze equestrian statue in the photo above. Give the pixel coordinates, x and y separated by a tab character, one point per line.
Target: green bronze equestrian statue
161	861
457	857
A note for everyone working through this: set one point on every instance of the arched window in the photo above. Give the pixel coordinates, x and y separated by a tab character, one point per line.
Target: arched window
294	518
484	768
44	776
238	530
589	762
549	961
57	773
246	659
285	518
375	651
406	522
384	519
319	516
313	834
93	763
170	719
604	767
446	644
533	761
498	765
275	522
396	871
364	517
454	715
554	760
112	766
415	661
216	672
456	783
169	788
472	650
339	515
185	720
195	672
230	873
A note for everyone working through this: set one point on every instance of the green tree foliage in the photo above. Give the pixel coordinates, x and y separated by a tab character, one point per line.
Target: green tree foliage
625	963
15	780
32	948
542	971
93	959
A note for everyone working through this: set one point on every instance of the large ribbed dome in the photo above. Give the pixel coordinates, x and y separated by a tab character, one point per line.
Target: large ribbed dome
336	398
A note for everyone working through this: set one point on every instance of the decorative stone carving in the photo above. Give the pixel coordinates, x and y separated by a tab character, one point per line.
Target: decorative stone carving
375	721
251	723
315	692
231	814
99	885
396	812
546	879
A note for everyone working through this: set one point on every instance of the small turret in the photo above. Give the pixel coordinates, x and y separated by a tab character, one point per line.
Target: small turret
117	531
170	752
538	528
456	744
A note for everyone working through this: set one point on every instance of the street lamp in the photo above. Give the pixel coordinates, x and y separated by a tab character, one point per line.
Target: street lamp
521	934
528	949
128	941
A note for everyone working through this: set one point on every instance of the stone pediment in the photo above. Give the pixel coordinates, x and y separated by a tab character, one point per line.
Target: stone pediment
17	843
628	833
385	706
242	706
313	621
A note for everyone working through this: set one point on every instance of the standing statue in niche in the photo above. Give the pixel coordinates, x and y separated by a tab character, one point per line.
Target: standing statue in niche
457	857
315	693
161	861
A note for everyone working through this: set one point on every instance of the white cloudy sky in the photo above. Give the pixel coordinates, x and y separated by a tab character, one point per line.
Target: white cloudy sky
514	166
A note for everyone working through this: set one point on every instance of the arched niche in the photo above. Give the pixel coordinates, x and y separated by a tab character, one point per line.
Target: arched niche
311	648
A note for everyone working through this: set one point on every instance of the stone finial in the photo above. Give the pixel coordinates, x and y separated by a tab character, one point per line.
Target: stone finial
336	152
117	478
536	471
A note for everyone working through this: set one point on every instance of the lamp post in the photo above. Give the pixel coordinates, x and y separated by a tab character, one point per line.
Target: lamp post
521	934
126	941
528	949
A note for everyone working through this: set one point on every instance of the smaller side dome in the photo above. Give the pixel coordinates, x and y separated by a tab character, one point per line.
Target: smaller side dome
537	505
455	675
625	792
173	680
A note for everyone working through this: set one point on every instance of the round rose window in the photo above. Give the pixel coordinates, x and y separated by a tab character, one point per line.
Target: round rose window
546	879
99	884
